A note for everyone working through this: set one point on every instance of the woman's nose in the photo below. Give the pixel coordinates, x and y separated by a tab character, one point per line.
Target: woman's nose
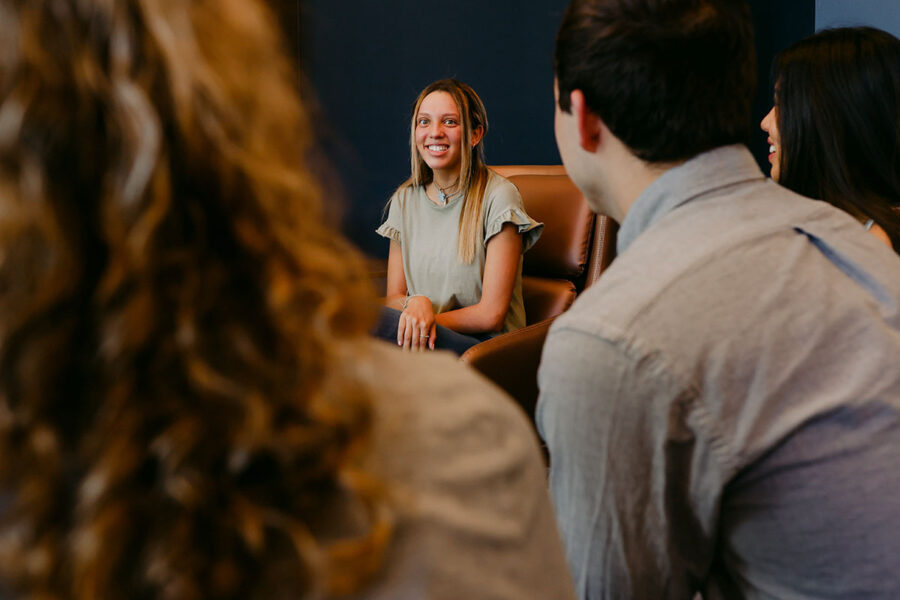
764	123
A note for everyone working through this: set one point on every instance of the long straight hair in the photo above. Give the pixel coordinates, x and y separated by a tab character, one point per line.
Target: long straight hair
473	173
838	109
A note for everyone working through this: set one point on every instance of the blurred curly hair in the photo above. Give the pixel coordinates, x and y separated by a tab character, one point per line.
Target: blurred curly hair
178	406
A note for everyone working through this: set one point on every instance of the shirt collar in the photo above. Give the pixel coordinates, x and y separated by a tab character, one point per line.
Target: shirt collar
701	174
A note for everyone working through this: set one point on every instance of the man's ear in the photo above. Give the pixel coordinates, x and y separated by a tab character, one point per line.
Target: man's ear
477	134
590	127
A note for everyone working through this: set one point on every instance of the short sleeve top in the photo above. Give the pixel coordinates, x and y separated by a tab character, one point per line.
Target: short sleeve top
427	234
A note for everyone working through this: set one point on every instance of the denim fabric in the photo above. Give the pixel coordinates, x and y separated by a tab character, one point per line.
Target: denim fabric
445	339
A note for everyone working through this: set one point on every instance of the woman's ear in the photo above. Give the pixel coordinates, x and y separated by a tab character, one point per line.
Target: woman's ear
477	134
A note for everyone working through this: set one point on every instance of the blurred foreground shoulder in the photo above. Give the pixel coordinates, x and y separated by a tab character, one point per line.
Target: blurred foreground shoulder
463	463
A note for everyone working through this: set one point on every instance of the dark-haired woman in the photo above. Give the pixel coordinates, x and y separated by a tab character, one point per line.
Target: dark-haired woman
834	132
457	232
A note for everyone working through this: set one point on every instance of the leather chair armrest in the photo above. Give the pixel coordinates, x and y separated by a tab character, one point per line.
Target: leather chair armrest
511	361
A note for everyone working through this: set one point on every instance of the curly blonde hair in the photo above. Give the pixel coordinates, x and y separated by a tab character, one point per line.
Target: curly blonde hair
174	413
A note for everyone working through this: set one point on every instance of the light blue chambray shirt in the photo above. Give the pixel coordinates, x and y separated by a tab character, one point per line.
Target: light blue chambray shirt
722	408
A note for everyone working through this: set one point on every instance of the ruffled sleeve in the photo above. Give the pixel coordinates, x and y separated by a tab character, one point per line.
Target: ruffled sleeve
391	226
504	205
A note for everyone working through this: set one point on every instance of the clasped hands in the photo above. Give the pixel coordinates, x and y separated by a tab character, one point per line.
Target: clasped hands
417	328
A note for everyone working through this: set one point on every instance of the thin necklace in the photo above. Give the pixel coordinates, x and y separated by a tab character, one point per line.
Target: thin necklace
442	191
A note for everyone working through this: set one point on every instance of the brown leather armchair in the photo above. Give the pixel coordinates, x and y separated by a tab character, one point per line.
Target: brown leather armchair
574	249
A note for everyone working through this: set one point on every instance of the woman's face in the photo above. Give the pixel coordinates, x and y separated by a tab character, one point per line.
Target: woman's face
438	133
769	124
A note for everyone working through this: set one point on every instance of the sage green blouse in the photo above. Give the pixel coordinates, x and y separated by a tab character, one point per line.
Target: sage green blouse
427	235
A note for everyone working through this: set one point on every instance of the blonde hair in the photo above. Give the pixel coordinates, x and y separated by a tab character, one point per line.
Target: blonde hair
473	173
175	407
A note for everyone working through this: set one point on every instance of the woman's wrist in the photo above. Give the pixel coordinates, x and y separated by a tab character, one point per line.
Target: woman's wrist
404	302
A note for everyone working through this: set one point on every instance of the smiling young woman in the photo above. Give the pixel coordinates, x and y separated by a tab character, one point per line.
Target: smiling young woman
834	132
457	231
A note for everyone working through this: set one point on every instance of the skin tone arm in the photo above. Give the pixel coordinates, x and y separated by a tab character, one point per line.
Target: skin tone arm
416	328
396	279
418	320
500	266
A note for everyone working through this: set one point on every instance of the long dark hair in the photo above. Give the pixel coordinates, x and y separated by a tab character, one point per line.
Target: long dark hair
177	400
838	108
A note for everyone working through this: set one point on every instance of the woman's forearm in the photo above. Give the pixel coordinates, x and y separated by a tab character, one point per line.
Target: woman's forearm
477	318
395	301
501	264
396	280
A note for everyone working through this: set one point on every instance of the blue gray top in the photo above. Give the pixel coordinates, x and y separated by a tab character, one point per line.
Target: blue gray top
722	408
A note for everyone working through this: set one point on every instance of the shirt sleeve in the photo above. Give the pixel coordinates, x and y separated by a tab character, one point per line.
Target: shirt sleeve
635	487
478	523
504	205
392	226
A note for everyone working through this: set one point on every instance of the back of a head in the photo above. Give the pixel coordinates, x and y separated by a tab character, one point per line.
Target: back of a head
838	110
173	308
670	78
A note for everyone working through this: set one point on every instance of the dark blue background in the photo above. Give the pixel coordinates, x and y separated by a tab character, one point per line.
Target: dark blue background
367	60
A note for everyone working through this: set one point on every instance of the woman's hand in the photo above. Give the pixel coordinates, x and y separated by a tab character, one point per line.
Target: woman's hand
416	329
504	251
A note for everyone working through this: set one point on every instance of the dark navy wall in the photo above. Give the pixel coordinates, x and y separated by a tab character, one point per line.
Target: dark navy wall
367	61
778	24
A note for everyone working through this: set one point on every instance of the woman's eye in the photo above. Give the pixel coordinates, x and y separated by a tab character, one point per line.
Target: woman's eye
422	122
450	122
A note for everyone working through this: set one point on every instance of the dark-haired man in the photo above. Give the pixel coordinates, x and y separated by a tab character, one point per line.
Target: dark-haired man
722	409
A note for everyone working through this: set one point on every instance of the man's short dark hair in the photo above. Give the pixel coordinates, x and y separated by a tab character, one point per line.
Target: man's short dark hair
670	78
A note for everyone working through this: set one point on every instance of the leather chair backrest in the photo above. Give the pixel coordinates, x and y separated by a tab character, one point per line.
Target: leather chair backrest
575	247
603	248
563	250
510	170
545	298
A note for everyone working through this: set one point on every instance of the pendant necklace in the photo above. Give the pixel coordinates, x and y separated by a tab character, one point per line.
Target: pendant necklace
442	192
